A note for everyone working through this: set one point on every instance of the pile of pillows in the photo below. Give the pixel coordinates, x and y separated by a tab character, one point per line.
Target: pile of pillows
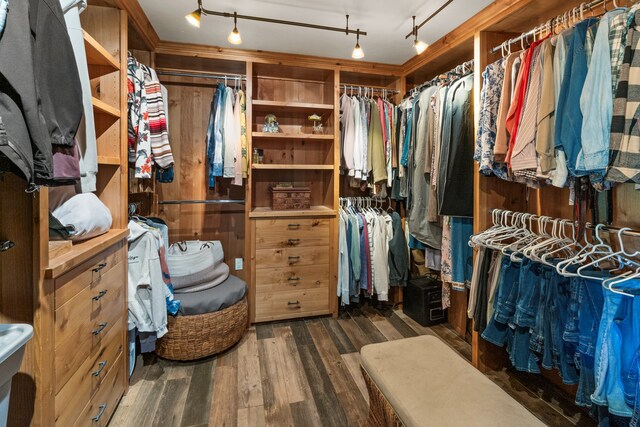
196	265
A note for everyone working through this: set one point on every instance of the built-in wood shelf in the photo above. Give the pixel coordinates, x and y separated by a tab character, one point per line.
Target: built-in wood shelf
82	251
263	104
314	211
101	107
99	60
285	167
305	136
109	160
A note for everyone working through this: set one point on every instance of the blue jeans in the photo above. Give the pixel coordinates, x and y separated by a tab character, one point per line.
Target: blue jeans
528	294
616	348
498	331
538	335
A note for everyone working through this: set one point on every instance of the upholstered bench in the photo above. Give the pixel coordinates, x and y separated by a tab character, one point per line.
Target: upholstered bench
422	382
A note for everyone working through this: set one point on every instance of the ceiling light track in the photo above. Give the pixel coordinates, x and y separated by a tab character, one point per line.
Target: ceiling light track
414	30
202	11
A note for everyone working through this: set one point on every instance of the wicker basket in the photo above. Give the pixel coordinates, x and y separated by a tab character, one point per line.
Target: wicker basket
202	335
286	198
381	413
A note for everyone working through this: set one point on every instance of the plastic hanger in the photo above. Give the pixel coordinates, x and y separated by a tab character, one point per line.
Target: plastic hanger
619	255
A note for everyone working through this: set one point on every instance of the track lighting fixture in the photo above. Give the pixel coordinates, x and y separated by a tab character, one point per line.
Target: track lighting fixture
419	45
194	18
234	36
358	53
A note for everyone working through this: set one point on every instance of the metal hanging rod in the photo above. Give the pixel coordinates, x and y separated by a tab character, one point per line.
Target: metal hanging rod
212	76
550	23
237	16
370	88
459	69
200	202
415	29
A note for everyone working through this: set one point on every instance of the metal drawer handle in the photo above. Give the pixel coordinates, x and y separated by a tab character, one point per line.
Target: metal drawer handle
6	245
100	267
101	365
293	241
101	327
294	225
293	303
100	295
294	258
294	279
103	408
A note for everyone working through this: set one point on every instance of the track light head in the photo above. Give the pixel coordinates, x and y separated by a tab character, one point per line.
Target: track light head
234	35
420	46
194	18
358	53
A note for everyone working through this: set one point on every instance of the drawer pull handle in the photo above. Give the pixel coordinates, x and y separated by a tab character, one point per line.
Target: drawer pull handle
294	279
294	225
100	267
101	327
294	258
103	408
100	295
6	245
293	303
293	241
101	365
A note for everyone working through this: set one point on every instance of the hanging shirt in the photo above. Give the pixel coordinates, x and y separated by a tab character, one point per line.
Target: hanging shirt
218	130
237	129
231	137
138	124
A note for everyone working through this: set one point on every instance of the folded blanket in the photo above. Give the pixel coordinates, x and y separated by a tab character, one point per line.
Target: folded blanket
196	264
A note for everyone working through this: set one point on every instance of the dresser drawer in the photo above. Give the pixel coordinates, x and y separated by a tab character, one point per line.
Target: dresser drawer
101	407
270	258
285	279
82	334
292	233
88	274
91	304
73	396
291	303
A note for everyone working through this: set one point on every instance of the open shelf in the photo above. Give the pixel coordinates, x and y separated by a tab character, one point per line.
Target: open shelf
109	160
314	211
82	251
310	136
275	166
100	61
101	107
263	105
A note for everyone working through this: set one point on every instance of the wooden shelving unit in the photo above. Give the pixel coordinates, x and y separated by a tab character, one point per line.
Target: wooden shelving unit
298	156
101	107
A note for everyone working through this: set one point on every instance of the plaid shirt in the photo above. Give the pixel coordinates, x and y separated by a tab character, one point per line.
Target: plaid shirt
625	133
617	42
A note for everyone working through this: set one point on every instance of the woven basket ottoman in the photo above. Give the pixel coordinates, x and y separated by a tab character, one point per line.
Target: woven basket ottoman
210	321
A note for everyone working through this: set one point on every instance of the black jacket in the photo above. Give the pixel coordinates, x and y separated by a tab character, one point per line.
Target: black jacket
40	92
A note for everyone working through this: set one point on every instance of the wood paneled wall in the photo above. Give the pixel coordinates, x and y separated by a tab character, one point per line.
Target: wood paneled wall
189	107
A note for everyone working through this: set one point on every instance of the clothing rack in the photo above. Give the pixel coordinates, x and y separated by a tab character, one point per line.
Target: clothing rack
201	202
369	89
459	70
213	76
626	231
552	22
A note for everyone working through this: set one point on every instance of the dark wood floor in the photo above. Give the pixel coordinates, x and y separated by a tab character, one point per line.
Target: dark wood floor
301	373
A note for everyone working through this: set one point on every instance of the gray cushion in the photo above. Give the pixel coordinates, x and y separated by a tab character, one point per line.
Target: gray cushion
429	384
214	299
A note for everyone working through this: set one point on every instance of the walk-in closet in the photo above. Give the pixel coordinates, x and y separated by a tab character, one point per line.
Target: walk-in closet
319	214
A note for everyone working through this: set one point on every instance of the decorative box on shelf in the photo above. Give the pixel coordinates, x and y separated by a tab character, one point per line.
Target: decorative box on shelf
287	198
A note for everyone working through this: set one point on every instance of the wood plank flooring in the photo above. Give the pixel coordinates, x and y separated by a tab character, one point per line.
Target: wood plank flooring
300	373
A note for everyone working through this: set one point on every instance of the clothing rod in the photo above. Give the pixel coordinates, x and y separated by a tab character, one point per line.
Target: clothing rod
530	33
200	202
202	76
375	89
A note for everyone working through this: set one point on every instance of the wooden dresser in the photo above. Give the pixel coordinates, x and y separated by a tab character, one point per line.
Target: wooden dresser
292	265
90	338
